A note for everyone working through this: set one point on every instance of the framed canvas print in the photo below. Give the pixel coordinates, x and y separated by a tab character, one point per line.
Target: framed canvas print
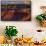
15	11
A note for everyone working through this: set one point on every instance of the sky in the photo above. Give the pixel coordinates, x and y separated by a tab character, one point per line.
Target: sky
17	1
12	2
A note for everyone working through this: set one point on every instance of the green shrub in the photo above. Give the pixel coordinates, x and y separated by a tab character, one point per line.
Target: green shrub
41	17
11	31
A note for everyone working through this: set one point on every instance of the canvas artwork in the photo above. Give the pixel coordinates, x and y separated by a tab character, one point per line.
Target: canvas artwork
15	11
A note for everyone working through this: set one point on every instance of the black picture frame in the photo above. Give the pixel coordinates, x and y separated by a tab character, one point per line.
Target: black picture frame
15	11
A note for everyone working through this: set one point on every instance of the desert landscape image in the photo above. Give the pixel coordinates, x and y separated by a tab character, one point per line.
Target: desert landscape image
15	11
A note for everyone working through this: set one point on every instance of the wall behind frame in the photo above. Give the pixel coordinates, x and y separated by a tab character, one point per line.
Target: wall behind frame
29	27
